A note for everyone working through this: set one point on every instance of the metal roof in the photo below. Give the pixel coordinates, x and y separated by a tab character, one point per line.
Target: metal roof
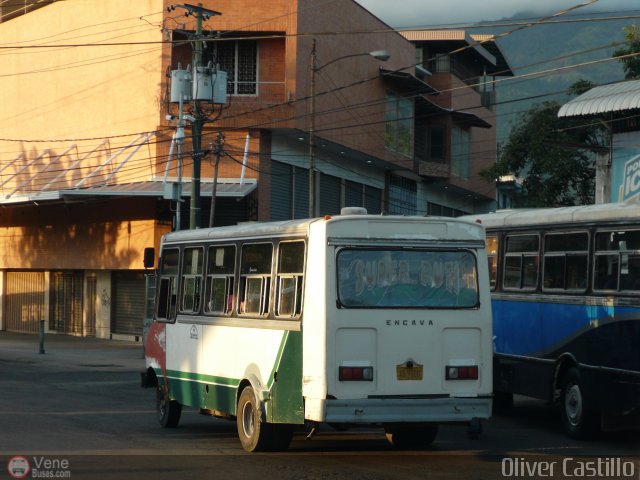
226	187
46	178
615	97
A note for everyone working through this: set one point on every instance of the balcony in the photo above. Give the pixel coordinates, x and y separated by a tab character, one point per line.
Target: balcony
433	169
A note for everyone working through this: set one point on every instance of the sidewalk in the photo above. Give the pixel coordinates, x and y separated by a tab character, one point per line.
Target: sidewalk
68	352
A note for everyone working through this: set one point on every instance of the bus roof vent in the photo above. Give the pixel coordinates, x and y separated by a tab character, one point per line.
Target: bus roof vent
353	211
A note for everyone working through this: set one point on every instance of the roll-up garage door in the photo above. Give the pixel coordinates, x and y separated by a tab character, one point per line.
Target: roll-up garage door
65	302
281	195
127	303
353	196
300	193
373	199
25	301
330	188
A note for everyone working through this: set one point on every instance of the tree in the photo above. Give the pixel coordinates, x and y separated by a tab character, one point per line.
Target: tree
553	157
630	64
580	86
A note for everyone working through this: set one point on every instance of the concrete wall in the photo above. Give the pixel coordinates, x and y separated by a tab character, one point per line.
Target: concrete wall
79	92
78	237
357	117
103	307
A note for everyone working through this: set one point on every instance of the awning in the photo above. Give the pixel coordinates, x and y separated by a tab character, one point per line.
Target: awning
407	81
96	173
616	97
226	187
464	118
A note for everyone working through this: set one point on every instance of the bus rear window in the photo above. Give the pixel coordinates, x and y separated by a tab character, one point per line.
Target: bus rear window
375	278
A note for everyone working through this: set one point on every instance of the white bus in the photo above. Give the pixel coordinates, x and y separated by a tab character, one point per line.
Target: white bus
351	320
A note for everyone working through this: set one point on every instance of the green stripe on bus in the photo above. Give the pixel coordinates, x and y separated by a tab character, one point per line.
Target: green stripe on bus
197	377
274	369
286	405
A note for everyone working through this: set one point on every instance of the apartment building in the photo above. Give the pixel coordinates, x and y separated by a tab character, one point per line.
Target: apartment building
455	131
88	150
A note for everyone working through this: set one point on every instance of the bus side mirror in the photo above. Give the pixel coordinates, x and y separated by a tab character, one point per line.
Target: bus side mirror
149	257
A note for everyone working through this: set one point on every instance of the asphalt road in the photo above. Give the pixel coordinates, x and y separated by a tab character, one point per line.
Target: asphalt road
78	412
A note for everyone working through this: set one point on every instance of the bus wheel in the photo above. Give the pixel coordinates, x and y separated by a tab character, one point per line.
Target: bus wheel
168	411
411	437
256	435
251	430
579	423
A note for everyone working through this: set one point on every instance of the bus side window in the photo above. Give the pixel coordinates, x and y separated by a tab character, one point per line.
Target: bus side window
492	258
606	267
255	278
191	280
221	263
565	261
521	263
289	279
630	276
168	288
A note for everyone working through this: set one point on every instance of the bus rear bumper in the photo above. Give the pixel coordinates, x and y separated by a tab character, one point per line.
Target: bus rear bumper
399	410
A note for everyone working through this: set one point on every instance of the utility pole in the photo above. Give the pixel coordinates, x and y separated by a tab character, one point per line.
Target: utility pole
179	137
312	127
218	152
196	131
198	118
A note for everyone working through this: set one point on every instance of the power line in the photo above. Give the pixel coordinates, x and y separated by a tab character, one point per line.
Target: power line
521	21
336	89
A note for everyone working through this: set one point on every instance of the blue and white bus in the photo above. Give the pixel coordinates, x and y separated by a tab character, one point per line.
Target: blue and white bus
566	304
351	320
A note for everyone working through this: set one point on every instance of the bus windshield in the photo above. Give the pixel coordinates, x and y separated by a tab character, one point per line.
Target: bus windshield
392	278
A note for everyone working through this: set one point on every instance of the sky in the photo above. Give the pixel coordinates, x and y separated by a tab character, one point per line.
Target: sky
429	13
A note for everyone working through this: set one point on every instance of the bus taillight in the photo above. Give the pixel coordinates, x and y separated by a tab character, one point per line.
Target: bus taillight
355	374
461	373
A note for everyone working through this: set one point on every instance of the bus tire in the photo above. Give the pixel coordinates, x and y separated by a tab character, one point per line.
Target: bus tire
168	411
579	423
254	434
411	437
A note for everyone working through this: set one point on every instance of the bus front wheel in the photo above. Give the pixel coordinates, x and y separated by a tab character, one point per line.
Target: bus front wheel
579	422
168	411
256	435
411	437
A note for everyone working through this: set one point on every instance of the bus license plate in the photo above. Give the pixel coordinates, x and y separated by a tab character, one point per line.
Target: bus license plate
409	373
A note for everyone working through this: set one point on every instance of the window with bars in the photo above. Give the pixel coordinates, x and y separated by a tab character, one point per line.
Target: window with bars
403	198
239	59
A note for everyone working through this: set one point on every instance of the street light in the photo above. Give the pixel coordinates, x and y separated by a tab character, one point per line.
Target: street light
381	55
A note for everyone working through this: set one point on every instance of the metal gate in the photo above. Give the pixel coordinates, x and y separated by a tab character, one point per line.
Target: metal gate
25	301
127	303
92	290
65	312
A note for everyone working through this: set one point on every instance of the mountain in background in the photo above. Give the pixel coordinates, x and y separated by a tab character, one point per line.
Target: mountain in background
550	49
